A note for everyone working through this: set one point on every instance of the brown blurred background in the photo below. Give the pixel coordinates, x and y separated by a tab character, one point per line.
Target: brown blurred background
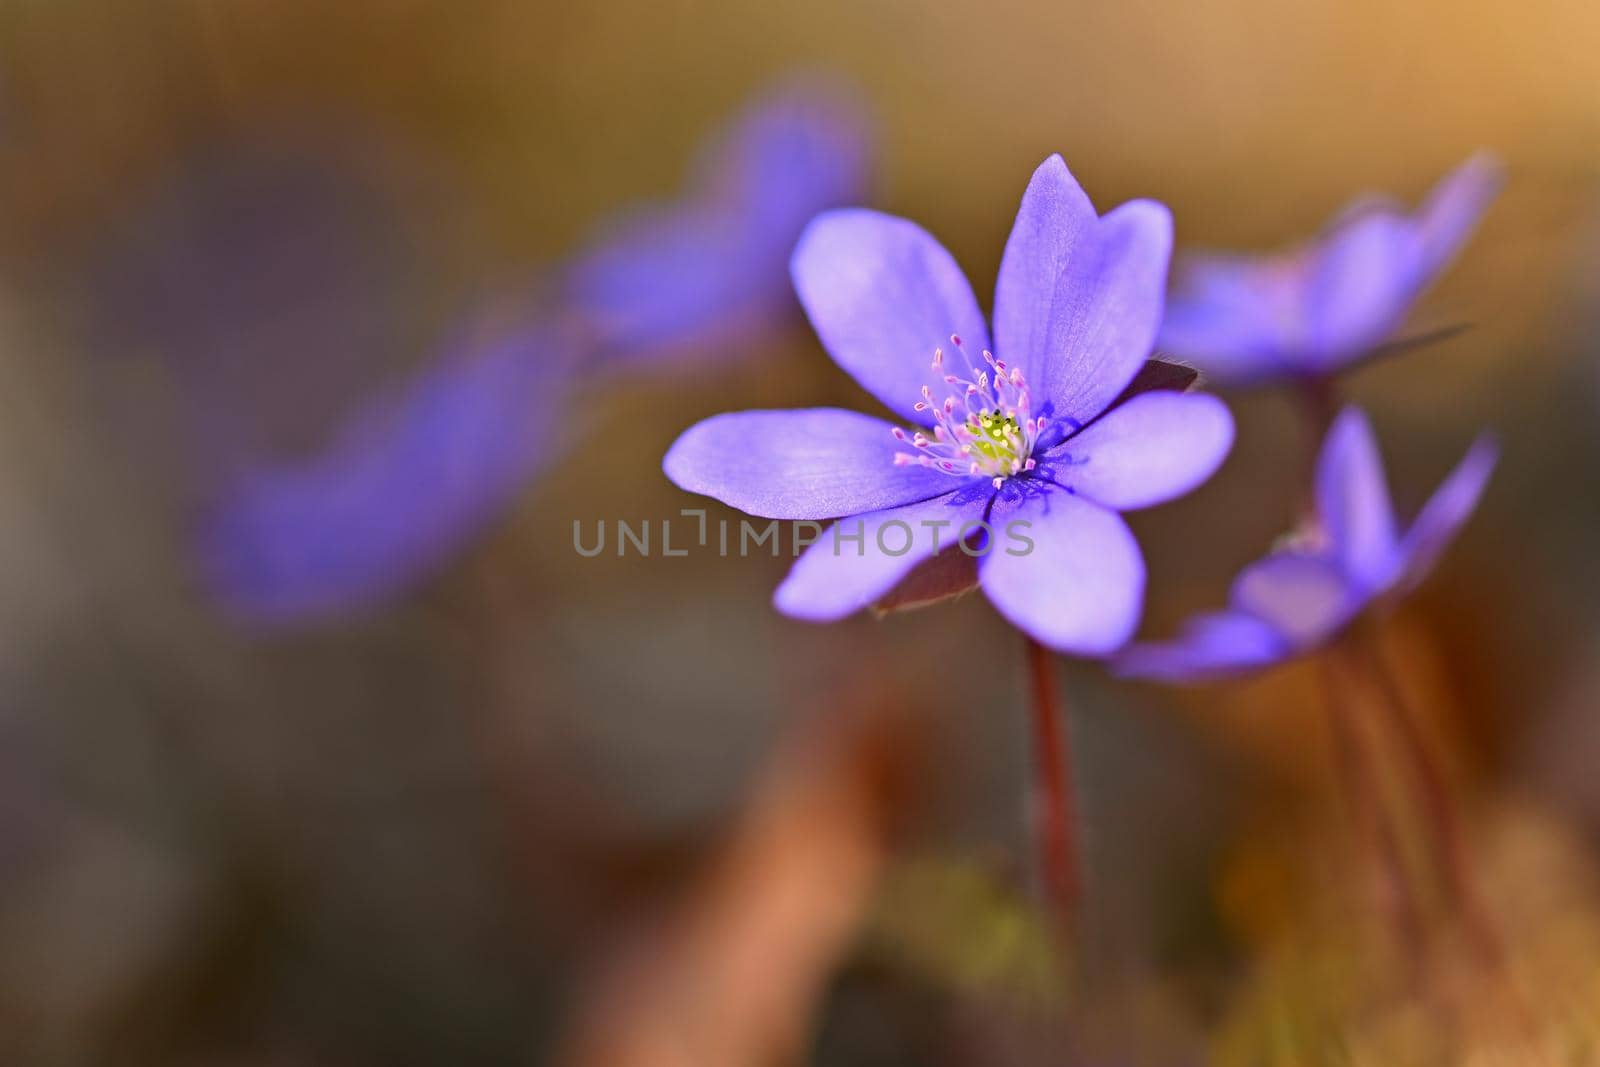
414	836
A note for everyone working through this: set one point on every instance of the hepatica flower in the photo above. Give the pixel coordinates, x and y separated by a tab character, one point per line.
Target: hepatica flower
1313	310
1025	436
1352	555
417	472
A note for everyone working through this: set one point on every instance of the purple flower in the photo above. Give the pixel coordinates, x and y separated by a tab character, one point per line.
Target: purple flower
415	474
1313	310
704	272
1297	599
1028	438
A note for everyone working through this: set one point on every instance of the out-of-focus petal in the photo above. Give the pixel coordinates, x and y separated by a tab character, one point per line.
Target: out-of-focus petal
1239	319
862	557
1153	448
1322	306
664	278
882	295
810	463
798	151
1353	502
712	269
1105	313
1072	578
1215	645
1454	207
1361	286
1451	505
1304	597
1055	224
409	480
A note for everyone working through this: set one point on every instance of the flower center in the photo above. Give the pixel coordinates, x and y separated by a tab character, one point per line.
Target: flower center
1310	537
983	425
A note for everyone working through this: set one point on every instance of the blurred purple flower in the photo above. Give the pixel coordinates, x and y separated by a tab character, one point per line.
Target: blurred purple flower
1034	435
1313	310
414	476
703	273
418	472
1294	600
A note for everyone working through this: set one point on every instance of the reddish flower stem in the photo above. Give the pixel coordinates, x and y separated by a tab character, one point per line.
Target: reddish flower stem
1320	402
1054	810
1447	834
1361	782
